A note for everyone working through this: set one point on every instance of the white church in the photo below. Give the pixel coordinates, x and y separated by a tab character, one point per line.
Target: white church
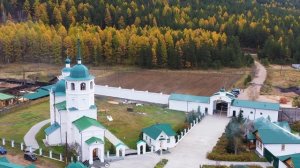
73	112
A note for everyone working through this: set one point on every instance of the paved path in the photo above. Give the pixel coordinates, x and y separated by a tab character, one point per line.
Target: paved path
189	152
112	138
256	83
29	138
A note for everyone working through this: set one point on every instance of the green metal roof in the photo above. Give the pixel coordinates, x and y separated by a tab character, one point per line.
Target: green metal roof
284	124
47	88
294	157
4	96
4	163
94	140
51	128
270	133
141	141
86	122
40	93
61	106
189	98
155	130
256	105
119	144
76	165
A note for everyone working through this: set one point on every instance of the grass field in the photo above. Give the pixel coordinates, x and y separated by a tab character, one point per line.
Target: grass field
198	82
128	125
282	80
15	125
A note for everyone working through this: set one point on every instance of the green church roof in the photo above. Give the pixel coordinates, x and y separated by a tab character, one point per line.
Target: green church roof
51	128
60	86
294	157
79	72
94	140
155	130
270	133
86	122
6	96
255	105
189	98
76	165
284	124
61	106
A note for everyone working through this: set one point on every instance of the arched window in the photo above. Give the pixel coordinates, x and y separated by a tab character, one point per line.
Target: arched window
82	86
72	86
91	85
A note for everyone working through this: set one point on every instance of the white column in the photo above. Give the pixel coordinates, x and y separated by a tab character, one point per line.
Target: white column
12	143
107	154
138	149
91	156
78	158
60	157
182	134
22	146
117	152
102	154
50	154
3	141
152	149
123	152
30	149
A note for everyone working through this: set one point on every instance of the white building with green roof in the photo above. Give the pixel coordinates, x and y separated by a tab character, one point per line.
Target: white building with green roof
73	112
224	103
159	136
274	140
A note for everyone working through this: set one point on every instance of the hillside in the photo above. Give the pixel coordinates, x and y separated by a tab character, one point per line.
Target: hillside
151	33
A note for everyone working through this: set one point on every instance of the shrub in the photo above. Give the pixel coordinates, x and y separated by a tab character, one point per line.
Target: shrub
296	126
247	80
161	163
296	101
283	100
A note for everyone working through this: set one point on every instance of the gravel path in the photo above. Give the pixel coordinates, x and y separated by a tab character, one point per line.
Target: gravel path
29	138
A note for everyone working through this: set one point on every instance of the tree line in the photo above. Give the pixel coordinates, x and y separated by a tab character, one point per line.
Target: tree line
258	24
147	47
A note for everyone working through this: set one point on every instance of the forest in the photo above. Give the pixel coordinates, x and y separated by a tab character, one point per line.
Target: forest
151	33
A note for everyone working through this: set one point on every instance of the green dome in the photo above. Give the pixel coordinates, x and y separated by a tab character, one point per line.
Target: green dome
68	61
79	71
60	86
66	69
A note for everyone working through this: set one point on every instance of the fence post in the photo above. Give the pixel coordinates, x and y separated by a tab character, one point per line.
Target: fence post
60	157
185	130
3	141
191	124
50	154
22	146
12	143
78	158
41	151
181	133
107	154
178	138
194	122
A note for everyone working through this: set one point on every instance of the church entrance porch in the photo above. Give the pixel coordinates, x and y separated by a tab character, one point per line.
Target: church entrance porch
96	153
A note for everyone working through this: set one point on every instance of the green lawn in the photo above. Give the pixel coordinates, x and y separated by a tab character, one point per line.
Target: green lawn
15	125
128	125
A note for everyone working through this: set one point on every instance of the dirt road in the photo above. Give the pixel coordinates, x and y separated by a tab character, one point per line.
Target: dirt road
253	90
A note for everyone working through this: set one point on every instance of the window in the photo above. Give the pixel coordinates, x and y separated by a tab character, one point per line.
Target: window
260	113
82	86
168	140
91	85
251	112
283	147
72	86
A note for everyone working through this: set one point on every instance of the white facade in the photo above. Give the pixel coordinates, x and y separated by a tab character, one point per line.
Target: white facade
283	149
208	105
157	144
252	113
